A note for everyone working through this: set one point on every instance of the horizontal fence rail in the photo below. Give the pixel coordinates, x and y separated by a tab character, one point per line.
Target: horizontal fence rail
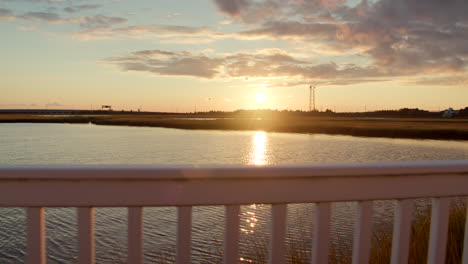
184	187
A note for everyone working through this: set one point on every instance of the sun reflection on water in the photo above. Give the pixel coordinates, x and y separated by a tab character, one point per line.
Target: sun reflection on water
258	154
251	219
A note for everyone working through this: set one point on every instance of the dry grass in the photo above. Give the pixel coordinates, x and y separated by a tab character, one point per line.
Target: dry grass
382	240
391	127
299	251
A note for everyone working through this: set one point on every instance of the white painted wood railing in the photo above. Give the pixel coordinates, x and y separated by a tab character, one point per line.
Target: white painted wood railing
136	187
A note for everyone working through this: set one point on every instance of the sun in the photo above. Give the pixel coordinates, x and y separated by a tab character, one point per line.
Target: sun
260	98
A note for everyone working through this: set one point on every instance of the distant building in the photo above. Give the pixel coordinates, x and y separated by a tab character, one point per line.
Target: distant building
449	112
108	107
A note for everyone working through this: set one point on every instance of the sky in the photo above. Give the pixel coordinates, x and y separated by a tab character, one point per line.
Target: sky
200	55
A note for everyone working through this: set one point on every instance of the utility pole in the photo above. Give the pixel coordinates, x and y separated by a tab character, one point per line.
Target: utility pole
311	97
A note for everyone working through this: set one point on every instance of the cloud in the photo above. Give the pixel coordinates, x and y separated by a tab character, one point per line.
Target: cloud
80	8
101	22
150	30
87	23
188	40
255	11
459	80
48	17
382	38
6	14
110	27
411	36
153	53
168	63
293	83
273	64
165	30
38	1
263	64
288	29
399	37
42	16
231	7
35	1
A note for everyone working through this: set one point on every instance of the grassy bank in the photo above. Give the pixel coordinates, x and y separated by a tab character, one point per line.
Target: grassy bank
455	129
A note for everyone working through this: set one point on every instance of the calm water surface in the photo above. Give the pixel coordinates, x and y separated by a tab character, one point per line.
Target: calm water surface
90	144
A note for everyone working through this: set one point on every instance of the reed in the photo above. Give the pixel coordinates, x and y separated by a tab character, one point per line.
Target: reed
298	252
382	241
392	127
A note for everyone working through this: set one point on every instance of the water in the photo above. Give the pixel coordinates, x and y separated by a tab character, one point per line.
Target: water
90	144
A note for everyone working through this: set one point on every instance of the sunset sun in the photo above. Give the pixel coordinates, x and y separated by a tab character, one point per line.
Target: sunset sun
260	98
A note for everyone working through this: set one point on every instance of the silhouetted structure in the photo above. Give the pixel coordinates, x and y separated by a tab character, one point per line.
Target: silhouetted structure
311	97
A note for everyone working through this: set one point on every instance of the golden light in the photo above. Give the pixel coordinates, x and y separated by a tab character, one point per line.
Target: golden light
258	155
260	98
251	219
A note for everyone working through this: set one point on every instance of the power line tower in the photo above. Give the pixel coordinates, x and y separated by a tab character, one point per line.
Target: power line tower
311	98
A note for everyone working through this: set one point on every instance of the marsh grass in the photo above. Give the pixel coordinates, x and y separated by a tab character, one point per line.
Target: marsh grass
426	128
298	250
382	241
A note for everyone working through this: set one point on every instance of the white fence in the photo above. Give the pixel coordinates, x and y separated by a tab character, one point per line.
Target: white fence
184	187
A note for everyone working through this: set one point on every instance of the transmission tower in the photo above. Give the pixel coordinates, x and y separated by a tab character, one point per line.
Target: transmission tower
311	98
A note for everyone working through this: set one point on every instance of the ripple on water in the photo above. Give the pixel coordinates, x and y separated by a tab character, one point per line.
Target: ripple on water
84	144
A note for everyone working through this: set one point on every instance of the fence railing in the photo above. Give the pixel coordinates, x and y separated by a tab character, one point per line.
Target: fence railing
184	187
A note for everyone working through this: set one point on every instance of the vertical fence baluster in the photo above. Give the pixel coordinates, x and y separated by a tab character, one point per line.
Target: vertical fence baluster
36	248
184	234
86	235
362	233
231	238
278	234
401	231
465	241
321	234
135	235
439	230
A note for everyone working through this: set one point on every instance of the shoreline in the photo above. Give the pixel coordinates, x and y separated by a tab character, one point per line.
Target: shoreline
437	129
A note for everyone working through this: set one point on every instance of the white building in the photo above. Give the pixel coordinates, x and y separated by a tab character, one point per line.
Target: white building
449	112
